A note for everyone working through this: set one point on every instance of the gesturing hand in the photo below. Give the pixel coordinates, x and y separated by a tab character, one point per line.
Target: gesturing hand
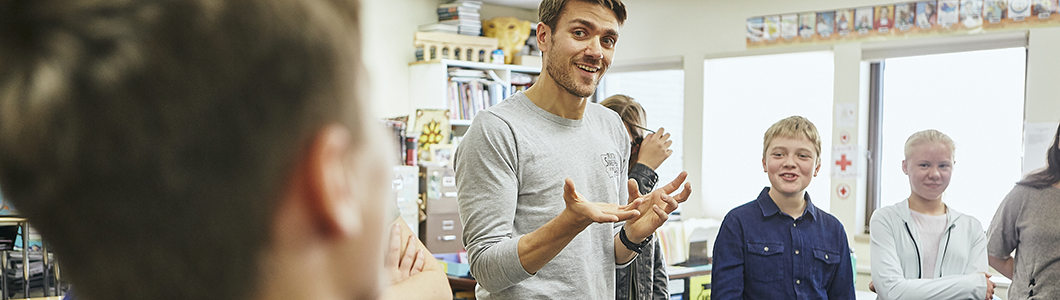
655	207
654	149
402	264
597	212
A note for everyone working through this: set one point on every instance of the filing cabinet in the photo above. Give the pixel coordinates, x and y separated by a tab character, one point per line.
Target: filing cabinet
440	232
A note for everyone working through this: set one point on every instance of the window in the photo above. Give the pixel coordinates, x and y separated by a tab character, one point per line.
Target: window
662	94
974	97
743	96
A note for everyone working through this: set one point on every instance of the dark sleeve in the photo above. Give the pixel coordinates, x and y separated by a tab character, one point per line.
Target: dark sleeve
645	177
661	279
727	269
842	285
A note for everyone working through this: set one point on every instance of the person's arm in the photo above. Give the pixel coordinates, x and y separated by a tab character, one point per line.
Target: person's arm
1003	237
842	285
539	247
654	149
645	177
418	274
1003	266
654	208
488	192
727	269
889	278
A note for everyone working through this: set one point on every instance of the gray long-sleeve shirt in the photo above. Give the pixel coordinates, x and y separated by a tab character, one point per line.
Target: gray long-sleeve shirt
510	171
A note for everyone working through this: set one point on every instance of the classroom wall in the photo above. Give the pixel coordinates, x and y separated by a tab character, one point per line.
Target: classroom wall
388	27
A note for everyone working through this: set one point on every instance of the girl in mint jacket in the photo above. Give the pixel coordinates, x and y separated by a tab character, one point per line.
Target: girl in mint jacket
921	248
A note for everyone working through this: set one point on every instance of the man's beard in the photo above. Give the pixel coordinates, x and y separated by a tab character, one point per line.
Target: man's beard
567	81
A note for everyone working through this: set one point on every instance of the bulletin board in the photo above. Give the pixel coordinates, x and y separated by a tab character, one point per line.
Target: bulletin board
900	21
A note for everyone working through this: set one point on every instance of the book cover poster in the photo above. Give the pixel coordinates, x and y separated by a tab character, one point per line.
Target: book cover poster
994	10
904	15
844	21
789	26
1044	8
432	126
925	14
863	19
948	12
807	21
971	13
755	29
884	17
825	23
1019	9
771	26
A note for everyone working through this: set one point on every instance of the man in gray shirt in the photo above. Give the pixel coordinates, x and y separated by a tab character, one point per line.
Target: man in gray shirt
521	157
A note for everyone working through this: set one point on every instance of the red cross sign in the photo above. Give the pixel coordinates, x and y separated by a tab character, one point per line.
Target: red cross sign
843	190
843	162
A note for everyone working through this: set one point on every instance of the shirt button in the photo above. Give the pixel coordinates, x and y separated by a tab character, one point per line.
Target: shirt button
792	224
826	256
796	252
766	249
798	281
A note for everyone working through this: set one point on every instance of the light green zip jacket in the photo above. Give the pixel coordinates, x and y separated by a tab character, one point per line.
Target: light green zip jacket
896	271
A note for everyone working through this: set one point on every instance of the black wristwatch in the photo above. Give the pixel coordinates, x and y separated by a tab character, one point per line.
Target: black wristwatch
635	247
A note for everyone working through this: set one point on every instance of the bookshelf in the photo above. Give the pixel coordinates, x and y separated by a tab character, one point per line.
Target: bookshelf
430	84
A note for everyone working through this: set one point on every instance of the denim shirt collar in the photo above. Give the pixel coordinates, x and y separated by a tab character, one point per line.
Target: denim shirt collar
769	208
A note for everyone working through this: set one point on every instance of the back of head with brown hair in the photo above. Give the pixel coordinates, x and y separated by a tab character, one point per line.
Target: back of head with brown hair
550	10
149	141
629	110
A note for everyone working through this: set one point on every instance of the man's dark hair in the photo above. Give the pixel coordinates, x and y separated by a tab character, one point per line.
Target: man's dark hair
149	141
550	10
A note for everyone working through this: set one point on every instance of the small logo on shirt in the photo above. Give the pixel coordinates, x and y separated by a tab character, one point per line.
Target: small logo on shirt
611	163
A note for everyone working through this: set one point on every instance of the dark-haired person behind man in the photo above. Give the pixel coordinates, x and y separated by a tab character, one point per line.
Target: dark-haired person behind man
194	149
528	233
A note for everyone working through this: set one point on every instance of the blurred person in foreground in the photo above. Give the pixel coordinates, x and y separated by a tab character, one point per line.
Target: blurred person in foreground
195	149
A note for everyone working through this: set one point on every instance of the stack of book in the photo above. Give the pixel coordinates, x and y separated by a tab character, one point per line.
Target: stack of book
471	91
463	14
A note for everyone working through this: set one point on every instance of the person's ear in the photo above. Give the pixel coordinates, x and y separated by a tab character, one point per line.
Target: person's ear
904	169
544	39
817	169
330	198
764	169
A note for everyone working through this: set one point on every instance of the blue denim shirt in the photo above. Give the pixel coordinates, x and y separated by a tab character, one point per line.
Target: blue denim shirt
762	253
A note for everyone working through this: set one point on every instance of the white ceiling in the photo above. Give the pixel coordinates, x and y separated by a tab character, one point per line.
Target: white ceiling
527	4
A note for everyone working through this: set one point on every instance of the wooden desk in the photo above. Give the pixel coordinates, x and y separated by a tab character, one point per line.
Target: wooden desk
685	274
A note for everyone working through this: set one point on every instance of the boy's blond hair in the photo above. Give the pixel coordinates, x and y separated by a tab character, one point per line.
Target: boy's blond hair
929	135
794	127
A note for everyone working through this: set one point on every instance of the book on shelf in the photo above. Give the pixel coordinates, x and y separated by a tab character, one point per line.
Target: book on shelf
463	23
468	4
439	27
457	9
458	16
471	94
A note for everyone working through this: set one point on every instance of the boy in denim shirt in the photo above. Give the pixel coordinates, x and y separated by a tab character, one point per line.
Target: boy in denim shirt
781	246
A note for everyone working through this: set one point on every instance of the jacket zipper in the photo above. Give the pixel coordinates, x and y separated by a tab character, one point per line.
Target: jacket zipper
919	270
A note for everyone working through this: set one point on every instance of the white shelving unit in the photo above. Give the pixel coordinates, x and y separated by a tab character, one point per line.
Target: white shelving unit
429	82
